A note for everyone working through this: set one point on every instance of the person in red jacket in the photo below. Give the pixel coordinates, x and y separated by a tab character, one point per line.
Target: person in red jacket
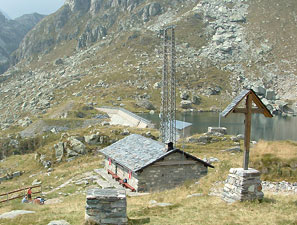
29	194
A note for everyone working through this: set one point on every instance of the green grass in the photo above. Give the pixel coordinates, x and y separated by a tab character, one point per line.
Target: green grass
276	160
275	209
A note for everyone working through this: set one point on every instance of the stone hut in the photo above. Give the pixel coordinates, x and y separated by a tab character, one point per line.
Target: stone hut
146	165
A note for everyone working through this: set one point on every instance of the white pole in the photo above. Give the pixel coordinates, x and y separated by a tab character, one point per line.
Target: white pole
219	119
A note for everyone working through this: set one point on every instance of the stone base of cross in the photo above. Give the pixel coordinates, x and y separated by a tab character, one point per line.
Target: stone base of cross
242	185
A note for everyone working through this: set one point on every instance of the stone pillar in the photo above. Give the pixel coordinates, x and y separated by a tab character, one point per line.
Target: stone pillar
106	206
242	185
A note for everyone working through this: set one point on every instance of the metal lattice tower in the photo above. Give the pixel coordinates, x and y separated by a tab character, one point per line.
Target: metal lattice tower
168	106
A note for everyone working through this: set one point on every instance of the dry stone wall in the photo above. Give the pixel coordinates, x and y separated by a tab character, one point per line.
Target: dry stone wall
166	177
106	206
161	177
242	185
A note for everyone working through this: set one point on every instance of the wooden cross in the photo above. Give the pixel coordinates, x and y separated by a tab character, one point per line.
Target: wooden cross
251	97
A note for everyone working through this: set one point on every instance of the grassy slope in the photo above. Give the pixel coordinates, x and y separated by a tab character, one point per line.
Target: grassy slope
275	209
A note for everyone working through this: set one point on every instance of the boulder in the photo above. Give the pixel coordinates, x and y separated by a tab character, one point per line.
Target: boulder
260	90
234	149
17	174
92	139
58	222
54	130
240	137
76	145
213	160
125	132
184	95
196	100
204	139
222	130
59	151
195	195
186	104
36	182
14	213
237	18
234	138
105	123
157	85
59	61
213	91
280	105
71	153
267	104
270	94
47	164
145	104
25	122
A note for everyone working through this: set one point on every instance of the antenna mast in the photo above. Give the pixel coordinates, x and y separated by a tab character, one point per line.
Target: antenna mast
168	106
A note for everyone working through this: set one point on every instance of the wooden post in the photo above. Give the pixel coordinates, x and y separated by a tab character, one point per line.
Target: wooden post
247	133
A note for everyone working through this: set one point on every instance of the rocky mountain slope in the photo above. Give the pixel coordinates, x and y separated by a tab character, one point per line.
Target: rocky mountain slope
11	34
108	52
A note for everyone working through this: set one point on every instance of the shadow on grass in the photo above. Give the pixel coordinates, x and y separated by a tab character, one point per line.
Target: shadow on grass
139	221
268	200
153	211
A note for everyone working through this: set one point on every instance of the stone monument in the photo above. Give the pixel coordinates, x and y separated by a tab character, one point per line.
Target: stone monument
106	206
242	185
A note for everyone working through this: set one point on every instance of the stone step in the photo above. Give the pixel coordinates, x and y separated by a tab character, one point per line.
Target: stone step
103	184
103	173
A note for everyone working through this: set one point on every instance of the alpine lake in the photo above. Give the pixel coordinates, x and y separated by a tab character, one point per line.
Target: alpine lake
276	128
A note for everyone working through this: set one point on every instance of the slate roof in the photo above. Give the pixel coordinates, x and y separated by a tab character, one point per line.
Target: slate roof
136	152
181	124
234	103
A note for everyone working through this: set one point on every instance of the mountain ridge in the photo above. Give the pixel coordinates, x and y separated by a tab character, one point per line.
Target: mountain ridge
112	48
5	14
12	33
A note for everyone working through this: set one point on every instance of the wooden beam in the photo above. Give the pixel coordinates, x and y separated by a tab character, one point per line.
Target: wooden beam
247	132
260	104
254	110
173	163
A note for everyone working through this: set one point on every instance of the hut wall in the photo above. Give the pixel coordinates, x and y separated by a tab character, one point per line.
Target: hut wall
169	173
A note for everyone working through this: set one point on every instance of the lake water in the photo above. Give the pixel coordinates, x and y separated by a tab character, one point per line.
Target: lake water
276	128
